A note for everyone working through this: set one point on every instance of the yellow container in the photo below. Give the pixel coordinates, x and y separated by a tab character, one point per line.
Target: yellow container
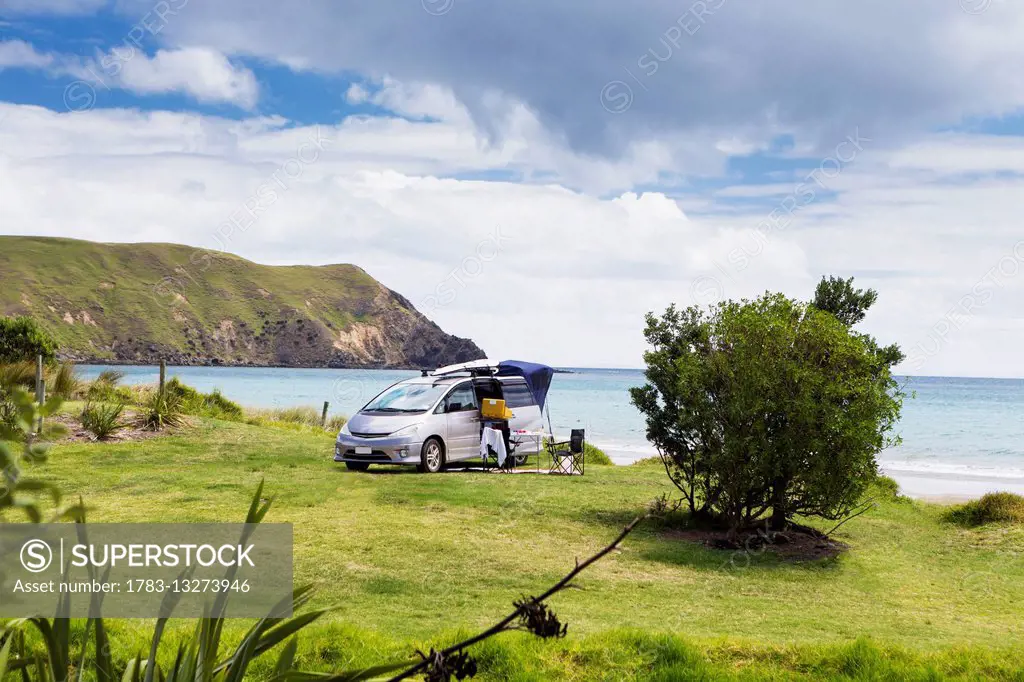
495	409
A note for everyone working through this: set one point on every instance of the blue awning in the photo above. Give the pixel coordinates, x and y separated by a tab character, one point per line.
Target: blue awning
538	377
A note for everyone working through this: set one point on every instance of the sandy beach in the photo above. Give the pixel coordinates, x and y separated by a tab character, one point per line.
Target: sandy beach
952	487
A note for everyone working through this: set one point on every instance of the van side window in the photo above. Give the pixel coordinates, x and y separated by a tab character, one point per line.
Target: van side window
461	399
517	394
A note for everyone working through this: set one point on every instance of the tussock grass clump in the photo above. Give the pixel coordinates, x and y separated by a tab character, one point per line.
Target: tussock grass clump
595	455
102	391
162	410
335	422
65	382
104	388
300	418
14	374
217	401
213	405
886	488
304	415
991	508
102	419
110	376
8	409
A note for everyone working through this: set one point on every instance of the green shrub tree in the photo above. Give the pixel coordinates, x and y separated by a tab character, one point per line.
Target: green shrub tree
21	339
839	297
767	409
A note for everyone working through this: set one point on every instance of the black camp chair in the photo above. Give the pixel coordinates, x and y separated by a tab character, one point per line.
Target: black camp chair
568	457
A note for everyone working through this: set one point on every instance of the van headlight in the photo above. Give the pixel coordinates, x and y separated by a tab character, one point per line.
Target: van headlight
344	430
407	430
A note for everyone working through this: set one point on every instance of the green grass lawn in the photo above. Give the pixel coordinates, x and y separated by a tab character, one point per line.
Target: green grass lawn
412	560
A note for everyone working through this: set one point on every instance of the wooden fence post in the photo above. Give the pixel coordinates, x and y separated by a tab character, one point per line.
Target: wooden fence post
323	417
40	388
163	374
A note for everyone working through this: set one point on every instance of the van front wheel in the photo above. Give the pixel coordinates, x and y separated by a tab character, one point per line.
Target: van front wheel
431	456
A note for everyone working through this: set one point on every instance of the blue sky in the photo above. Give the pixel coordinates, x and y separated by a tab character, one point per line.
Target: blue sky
656	152
303	98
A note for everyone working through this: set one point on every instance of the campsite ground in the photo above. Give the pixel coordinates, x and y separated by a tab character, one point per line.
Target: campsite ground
412	560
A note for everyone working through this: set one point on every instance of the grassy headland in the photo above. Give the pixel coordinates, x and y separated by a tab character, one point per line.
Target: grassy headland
412	560
140	303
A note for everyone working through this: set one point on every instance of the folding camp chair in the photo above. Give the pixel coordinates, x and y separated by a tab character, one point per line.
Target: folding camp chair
568	457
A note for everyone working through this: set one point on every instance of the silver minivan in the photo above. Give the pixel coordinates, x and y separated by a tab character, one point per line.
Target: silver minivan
430	421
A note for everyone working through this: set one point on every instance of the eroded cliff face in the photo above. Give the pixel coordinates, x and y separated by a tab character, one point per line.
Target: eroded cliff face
140	303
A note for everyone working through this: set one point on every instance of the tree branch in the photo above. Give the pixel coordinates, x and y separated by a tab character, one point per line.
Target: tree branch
868	505
521	608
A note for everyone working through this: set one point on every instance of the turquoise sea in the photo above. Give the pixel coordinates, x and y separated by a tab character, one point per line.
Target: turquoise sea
952	427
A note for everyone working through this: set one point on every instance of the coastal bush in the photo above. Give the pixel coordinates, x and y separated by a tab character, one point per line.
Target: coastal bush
990	508
21	339
102	419
767	408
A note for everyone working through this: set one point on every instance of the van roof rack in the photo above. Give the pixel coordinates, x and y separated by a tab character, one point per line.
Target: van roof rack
471	368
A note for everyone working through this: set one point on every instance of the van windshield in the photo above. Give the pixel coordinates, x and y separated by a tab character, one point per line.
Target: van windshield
406	398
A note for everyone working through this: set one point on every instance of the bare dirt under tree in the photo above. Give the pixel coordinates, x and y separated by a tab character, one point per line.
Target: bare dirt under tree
795	544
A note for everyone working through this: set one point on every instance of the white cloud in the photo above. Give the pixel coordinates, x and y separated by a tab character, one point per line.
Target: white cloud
202	73
19	54
415	100
42	7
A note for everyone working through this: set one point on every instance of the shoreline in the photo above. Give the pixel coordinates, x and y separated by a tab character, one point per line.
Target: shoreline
951	486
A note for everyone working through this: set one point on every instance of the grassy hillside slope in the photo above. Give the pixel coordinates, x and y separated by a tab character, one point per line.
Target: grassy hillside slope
138	303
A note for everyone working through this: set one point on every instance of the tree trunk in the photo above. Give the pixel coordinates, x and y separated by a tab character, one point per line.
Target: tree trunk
780	510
